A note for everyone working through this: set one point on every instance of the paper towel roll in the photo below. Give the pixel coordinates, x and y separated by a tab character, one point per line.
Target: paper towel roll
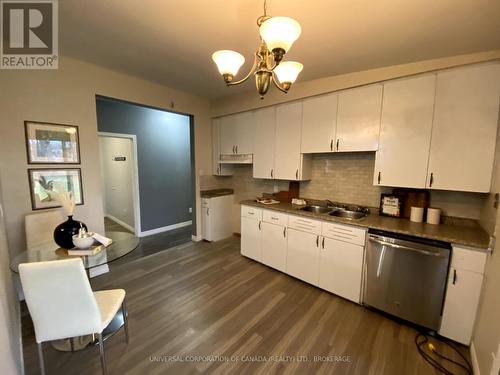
417	214
433	215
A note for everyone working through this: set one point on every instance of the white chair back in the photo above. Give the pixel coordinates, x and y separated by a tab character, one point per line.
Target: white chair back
39	226
60	299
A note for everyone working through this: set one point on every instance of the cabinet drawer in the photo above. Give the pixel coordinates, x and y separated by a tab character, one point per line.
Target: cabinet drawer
304	224
274	217
251	212
466	259
344	233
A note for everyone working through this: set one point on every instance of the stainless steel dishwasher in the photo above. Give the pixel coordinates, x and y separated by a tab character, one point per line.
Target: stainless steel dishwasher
406	276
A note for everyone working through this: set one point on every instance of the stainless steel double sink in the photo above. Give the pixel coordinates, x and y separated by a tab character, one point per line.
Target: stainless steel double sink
345	212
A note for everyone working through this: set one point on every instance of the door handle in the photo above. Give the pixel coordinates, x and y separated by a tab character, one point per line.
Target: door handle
297	174
331	145
323	243
454	276
402	247
284	232
431	180
338	140
379	177
317	241
272	174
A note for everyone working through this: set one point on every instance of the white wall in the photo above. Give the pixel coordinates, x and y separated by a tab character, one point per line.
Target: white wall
10	325
116	178
67	96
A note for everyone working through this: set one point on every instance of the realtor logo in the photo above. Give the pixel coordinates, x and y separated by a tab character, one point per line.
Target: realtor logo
29	34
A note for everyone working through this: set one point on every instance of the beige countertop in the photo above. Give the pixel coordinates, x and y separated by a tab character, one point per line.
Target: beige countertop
469	235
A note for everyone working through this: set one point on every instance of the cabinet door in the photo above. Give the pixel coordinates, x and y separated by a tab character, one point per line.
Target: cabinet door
206	230
217	168
465	127
274	246
405	132
358	119
227	135
244	133
318	123
460	306
302	259
287	160
263	157
340	270
251	238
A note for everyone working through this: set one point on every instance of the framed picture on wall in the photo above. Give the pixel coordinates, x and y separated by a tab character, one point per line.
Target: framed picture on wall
48	143
42	181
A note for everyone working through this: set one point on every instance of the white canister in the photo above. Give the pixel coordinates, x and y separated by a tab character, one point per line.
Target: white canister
417	214
433	216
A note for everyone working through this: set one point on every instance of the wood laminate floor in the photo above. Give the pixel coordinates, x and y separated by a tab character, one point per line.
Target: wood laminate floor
204	308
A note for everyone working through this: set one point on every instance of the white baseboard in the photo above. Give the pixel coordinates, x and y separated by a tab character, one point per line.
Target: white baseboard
473	357
165	229
196	238
120	222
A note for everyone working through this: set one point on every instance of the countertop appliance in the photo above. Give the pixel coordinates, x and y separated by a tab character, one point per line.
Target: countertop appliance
406	276
216	217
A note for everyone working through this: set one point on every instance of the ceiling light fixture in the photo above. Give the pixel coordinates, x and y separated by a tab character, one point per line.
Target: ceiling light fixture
277	36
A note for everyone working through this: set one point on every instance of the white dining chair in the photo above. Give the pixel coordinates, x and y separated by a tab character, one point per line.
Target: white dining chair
62	304
39	226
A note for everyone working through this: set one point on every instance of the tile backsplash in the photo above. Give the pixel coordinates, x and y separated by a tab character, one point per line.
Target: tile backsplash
342	177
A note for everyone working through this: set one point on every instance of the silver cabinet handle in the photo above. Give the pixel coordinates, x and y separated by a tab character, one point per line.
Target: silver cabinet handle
420	251
323	243
379	177
297	174
338	140
331	145
236	148
454	276
317	241
208	211
272	176
284	232
218	169
431	180
260	225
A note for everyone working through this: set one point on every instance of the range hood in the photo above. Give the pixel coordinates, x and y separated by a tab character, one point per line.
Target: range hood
236	159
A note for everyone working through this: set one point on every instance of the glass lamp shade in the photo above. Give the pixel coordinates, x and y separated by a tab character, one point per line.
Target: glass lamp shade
288	71
228	62
280	32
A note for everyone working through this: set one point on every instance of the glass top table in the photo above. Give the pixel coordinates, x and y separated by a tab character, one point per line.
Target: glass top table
123	243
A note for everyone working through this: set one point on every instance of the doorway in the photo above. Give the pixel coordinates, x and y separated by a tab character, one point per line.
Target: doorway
120	188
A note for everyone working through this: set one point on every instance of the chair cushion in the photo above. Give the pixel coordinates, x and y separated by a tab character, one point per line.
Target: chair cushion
109	302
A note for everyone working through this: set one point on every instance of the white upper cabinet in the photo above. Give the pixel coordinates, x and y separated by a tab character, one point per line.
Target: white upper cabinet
358	119
217	168
289	163
405	132
318	123
265	129
464	129
237	134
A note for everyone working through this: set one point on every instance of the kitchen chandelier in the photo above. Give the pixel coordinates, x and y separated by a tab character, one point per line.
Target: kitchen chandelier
277	36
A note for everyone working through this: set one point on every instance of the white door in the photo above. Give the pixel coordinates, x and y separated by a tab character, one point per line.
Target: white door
302	259
405	132
340	270
244	132
251	238
274	245
465	128
287	160
206	228
227	135
318	124
460	307
263	157
358	119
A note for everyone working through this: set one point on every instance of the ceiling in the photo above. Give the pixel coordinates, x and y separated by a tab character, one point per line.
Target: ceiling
171	41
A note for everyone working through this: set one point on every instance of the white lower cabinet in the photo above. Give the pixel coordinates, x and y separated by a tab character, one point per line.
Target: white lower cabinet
251	238
274	246
341	265
465	280
303	256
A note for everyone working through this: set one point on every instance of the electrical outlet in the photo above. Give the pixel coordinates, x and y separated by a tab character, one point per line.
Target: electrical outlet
190	210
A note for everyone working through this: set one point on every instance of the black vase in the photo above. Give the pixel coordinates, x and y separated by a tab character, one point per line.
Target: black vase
64	232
